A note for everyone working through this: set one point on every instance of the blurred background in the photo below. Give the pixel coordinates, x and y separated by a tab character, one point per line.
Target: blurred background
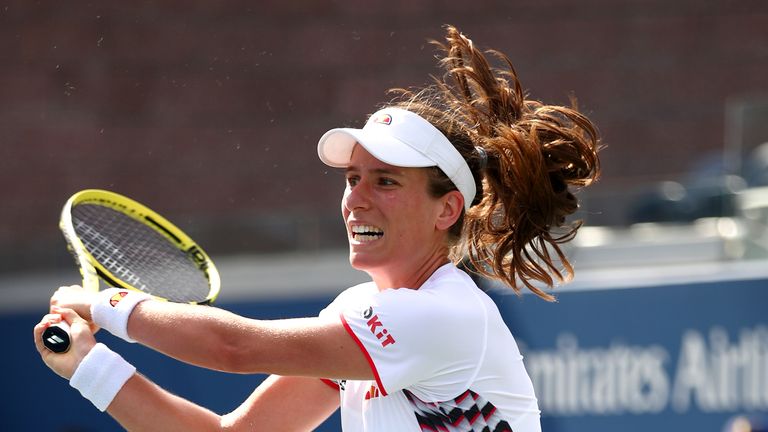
209	113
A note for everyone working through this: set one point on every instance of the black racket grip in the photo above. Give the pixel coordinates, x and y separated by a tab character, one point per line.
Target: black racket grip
56	337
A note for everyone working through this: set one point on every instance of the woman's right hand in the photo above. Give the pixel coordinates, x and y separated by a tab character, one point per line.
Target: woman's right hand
78	299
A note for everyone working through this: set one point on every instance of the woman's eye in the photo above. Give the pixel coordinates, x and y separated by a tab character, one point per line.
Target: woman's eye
351	181
384	181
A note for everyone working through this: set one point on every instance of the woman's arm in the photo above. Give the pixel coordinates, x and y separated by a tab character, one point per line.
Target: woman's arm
285	404
217	339
279	403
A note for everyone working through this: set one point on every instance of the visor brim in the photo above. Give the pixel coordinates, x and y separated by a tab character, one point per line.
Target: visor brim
335	149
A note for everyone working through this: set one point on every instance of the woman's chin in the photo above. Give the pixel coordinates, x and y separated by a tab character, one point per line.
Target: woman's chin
362	261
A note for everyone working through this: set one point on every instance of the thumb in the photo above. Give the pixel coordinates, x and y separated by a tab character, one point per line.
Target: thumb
68	315
80	331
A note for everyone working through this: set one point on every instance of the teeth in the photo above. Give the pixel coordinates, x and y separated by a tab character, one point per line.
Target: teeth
366	233
359	229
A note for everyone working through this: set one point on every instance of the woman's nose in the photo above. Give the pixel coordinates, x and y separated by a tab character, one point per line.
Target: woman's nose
356	197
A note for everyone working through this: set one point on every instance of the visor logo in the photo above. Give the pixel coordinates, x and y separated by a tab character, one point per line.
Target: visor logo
384	119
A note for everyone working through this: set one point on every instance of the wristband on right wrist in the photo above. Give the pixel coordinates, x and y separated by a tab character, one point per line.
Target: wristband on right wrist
112	309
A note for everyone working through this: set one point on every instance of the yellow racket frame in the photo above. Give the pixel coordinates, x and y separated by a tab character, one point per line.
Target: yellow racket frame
90	268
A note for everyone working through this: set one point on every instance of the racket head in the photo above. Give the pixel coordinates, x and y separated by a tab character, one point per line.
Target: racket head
130	246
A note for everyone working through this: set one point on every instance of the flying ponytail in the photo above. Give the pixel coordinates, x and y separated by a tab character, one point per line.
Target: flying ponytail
527	158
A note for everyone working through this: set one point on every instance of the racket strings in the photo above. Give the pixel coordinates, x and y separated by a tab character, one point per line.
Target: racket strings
138	255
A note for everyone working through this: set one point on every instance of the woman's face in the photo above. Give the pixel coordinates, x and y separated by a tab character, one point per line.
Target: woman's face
392	222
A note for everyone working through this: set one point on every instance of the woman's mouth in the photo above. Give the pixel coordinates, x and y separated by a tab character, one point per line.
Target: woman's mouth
366	233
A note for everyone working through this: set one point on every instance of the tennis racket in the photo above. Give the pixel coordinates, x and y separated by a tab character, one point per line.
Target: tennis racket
120	241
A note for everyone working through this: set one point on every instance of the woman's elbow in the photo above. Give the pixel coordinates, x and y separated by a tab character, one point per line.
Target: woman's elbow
233	355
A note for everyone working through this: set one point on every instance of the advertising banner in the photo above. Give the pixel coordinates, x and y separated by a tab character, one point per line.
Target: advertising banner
681	357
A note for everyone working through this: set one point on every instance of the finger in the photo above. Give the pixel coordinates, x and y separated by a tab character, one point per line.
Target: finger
38	335
51	318
68	315
55	308
45	322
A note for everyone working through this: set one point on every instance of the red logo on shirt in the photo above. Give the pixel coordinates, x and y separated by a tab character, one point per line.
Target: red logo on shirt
373	392
378	330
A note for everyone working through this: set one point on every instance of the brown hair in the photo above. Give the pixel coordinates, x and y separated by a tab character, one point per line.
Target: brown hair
533	155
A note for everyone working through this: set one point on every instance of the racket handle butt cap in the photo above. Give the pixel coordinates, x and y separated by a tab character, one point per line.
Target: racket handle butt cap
56	337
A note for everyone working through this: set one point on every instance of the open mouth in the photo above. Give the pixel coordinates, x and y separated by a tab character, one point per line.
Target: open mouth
366	233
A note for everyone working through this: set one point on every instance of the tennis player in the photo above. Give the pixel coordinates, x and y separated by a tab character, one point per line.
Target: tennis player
467	167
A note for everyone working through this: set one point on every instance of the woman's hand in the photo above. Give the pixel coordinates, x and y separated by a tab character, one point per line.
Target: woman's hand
81	339
76	298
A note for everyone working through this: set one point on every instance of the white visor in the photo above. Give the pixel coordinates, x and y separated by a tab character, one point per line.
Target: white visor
401	138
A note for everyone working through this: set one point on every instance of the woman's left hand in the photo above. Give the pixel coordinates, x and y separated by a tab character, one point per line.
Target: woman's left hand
81	339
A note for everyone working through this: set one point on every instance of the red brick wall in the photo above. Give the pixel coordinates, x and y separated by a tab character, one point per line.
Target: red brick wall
210	111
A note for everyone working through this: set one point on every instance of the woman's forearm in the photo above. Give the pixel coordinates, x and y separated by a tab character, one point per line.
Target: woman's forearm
141	405
201	335
217	339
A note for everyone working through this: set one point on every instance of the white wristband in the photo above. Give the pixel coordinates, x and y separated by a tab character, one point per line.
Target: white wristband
112	308
100	375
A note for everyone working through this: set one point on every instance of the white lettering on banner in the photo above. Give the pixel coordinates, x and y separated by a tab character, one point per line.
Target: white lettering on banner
712	374
614	380
723	376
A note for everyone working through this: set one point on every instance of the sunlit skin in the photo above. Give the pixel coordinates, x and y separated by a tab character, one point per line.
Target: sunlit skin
413	225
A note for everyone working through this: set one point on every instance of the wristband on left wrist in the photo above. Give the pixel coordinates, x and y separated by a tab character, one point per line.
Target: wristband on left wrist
100	376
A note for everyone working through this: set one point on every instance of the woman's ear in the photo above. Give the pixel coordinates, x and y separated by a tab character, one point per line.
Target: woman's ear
452	206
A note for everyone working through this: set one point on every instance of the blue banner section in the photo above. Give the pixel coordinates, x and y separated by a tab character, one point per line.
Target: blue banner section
681	357
665	358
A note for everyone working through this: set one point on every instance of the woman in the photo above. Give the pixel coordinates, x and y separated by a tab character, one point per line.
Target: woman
465	167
